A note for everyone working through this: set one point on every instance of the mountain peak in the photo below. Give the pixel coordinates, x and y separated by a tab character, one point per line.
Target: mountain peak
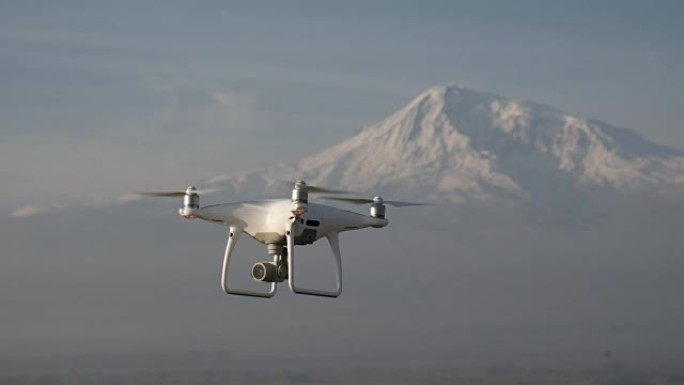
453	143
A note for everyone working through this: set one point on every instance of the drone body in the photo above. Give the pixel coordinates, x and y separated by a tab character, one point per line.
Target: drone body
268	221
281	224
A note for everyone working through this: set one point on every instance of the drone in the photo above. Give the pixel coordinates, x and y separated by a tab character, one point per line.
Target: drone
282	224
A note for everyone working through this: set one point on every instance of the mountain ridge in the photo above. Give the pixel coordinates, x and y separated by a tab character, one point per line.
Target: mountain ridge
459	144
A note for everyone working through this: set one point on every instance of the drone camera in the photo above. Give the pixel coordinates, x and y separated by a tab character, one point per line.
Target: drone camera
268	272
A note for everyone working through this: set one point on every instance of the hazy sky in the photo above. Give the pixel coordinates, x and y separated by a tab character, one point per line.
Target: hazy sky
437	284
101	98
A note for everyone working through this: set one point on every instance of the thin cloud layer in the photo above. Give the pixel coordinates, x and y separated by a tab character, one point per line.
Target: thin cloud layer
33	210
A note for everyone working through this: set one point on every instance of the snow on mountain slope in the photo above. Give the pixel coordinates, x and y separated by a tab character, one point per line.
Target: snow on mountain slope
456	144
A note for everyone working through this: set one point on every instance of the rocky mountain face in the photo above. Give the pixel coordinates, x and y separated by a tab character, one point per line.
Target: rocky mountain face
454	144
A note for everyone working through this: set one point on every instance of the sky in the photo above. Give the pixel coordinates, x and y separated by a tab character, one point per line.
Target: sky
100	99
97	100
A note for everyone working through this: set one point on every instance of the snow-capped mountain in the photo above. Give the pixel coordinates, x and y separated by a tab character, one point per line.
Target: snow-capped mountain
455	144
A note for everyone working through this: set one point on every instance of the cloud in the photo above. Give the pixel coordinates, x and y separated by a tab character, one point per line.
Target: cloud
33	210
127	198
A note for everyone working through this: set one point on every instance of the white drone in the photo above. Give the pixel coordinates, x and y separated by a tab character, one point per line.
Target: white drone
281	224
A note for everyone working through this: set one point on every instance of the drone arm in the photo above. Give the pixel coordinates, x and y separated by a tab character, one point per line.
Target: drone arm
233	236
333	239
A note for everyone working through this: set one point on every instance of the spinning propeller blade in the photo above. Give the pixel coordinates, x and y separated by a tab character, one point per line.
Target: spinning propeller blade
362	201
317	189
176	193
356	201
165	194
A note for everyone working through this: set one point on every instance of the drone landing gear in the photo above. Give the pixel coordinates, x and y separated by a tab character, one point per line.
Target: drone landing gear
333	239
283	262
233	236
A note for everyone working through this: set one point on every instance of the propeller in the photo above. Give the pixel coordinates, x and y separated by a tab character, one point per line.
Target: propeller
377	199
316	189
165	194
177	193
